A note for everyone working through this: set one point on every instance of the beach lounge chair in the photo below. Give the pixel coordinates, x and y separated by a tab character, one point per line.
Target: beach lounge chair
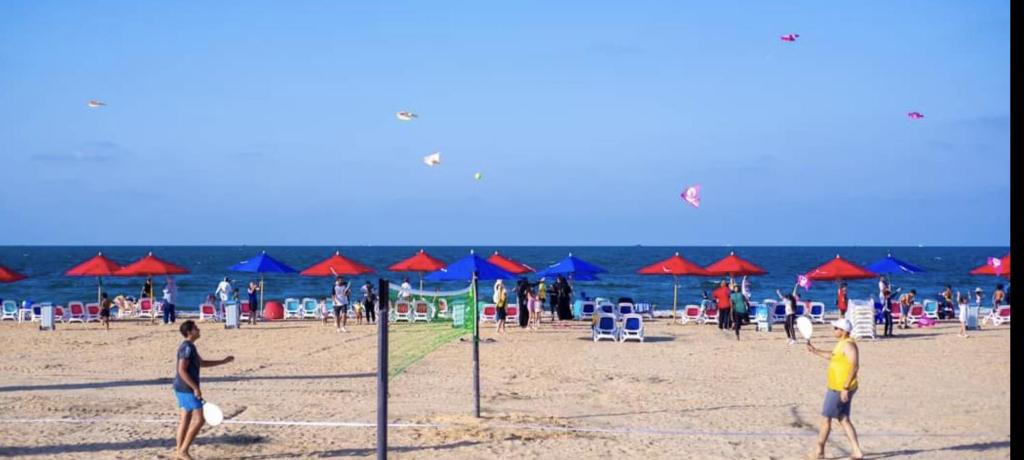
10	310
489	313
421	311
626	308
1001	316
778	313
245	311
92	312
691	313
817	312
208	312
606	308
605	328
403	311
292	308
915	313
76	312
632	328
800	309
60	314
442	308
310	308
512	313
587	310
146	308
710	312
931	308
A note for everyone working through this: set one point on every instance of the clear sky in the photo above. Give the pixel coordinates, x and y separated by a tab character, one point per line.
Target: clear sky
274	122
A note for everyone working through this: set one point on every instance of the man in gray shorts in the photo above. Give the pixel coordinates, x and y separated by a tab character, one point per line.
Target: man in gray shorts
843	365
341	294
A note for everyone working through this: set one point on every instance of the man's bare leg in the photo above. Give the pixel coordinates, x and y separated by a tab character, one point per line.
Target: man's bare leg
851	435
193	430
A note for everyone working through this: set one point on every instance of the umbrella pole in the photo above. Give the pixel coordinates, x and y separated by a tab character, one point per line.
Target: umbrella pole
476	350
421	281
261	298
99	292
675	296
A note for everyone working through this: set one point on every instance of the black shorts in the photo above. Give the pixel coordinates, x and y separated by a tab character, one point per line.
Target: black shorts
105	313
339	309
502	313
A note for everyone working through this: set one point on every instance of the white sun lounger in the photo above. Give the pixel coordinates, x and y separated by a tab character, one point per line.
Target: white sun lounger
632	328
605	328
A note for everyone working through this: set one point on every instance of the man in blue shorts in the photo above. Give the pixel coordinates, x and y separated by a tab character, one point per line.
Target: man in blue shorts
186	388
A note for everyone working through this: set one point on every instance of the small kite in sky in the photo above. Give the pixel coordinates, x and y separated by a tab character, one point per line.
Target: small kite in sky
96	104
406	116
915	115
996	264
692	195
433	159
789	37
478	176
803	281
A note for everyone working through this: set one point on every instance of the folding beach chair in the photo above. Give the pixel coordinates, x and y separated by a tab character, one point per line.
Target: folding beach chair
489	313
605	328
632	328
691	313
1001	316
421	311
587	309
817	312
915	313
208	312
292	308
310	308
146	308
403	311
10	310
92	312
931	308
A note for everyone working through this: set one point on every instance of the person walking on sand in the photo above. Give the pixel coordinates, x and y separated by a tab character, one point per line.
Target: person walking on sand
789	300
542	295
170	297
187	390
535	306
370	302
223	293
739	309
522	287
500	301
842	300
721	295
341	291
105	305
962	301
844	363
887	295
254	301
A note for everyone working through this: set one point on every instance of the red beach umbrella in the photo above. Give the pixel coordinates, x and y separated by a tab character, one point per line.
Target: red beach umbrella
840	269
421	262
151	266
98	266
989	269
9	276
336	265
734	265
676	266
508	264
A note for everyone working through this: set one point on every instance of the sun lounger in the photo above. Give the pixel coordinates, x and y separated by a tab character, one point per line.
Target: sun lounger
245	311
489	313
931	308
92	312
10	310
442	308
512	313
292	308
632	328
778	312
146	308
208	312
1001	316
606	308
310	308
587	309
817	312
626	308
403	311
691	313
76	311
915	313
605	328
60	314
421	311
710	312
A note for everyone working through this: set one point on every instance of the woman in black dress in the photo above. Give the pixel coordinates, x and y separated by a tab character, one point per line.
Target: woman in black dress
522	287
564	291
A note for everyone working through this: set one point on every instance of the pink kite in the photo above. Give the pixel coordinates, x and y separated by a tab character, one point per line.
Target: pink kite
996	264
789	37
915	115
804	282
692	195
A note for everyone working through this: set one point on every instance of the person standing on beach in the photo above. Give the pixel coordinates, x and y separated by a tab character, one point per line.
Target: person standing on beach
223	293
170	296
341	291
745	288
500	302
369	302
739	309
542	295
522	287
906	300
147	289
842	300
721	296
886	310
187	390
105	305
535	307
962	301
997	298
790	301
405	290
946	306
844	363
564	290
254	301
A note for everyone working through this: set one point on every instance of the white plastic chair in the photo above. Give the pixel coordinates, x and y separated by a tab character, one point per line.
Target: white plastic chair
421	311
292	308
1001	316
632	327
76	311
92	312
403	311
587	309
310	308
625	308
931	308
709	313
512	313
442	308
605	328
10	310
208	312
145	308
691	314
817	312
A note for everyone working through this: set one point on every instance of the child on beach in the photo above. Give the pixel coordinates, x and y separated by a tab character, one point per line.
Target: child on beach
187	390
790	301
962	301
324	312
500	300
533	302
105	305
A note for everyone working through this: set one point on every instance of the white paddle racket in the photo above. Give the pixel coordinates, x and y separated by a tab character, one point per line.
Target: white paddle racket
212	413
803	324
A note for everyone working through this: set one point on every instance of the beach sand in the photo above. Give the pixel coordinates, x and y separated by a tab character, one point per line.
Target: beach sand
688	392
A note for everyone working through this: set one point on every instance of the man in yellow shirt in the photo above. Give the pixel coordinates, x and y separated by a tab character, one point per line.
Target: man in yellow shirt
843	365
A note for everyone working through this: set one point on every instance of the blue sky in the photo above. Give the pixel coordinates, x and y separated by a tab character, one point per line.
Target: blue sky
273	123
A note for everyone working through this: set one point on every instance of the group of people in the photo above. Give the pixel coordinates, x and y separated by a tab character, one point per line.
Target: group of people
733	302
530	298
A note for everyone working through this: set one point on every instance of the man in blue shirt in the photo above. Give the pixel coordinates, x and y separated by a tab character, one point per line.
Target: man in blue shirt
186	387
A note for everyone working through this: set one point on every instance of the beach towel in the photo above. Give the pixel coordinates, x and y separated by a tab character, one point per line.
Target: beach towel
926	322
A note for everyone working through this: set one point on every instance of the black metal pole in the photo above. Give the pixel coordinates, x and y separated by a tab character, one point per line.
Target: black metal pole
383	300
476	350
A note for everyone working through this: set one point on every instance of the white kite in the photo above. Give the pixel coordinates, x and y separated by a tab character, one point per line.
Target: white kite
96	104
478	176
406	116
433	159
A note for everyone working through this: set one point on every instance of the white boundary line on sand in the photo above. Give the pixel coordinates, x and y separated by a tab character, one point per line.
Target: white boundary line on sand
528	427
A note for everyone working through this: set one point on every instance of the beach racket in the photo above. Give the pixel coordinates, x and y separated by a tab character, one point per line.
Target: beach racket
212	413
803	324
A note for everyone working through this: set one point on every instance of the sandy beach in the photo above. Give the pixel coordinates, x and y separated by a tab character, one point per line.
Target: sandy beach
301	390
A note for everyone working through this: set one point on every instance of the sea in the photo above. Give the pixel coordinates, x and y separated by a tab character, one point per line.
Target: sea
45	267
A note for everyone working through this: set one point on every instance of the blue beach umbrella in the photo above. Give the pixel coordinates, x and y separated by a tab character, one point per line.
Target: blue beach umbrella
891	264
574	268
261	264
